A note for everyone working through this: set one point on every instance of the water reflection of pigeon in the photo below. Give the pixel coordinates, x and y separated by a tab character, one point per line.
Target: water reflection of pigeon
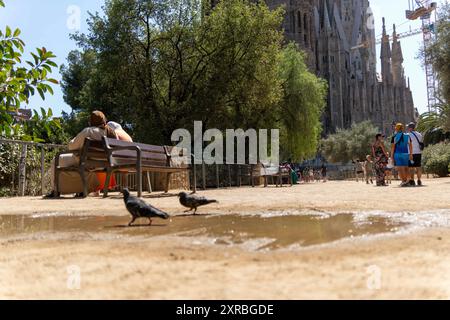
140	209
193	202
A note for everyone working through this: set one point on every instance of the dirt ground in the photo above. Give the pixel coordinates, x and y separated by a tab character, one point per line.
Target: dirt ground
413	265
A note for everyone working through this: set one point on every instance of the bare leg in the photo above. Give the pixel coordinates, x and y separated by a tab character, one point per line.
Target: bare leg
195	212
419	173
150	223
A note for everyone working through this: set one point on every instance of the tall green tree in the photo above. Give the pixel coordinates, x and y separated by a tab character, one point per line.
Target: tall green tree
19	80
301	107
439	53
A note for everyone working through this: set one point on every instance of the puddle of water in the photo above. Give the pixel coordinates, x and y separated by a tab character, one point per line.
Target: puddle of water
261	232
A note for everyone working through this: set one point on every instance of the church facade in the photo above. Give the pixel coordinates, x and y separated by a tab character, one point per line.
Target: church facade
340	40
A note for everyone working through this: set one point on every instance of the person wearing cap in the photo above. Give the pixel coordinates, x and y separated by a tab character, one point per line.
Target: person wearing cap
416	165
70	182
403	153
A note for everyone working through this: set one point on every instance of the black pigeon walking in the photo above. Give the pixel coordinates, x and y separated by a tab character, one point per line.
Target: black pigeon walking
140	209
193	202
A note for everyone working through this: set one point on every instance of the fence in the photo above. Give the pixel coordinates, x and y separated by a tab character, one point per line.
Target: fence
25	170
24	166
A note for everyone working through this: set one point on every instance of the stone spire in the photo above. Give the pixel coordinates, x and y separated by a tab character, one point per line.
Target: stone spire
397	60
326	18
386	55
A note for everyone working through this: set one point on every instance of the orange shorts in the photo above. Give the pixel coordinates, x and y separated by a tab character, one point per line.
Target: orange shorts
101	176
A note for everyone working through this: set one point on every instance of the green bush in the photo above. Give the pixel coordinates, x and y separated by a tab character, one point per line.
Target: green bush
436	159
9	170
351	144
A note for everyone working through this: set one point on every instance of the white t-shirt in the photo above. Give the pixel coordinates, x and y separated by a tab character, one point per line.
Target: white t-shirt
415	141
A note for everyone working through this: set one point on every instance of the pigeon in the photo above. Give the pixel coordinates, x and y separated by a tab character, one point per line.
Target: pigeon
139	209
193	202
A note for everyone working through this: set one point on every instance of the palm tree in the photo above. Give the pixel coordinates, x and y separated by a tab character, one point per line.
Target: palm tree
432	121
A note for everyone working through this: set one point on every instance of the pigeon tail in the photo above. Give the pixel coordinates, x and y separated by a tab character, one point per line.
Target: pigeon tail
153	212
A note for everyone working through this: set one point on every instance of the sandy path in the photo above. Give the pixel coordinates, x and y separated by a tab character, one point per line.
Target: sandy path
411	266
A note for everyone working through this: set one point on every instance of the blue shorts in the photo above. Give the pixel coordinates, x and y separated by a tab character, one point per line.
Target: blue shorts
401	159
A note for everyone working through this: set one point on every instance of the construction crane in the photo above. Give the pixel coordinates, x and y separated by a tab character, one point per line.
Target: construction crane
424	10
401	35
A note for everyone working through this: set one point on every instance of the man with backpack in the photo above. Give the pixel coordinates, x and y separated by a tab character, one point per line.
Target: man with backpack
418	146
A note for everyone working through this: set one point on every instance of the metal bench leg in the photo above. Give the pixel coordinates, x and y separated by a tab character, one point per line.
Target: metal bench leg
82	173
194	173
139	183
106	186
149	181
167	182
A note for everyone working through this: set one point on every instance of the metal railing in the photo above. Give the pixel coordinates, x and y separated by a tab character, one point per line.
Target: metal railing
22	170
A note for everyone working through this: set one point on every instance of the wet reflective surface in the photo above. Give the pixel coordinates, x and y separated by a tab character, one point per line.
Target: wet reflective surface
253	231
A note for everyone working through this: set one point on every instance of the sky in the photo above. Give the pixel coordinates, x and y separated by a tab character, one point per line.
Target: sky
48	23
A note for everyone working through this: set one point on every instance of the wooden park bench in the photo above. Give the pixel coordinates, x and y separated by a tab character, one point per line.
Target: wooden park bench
275	171
266	171
111	156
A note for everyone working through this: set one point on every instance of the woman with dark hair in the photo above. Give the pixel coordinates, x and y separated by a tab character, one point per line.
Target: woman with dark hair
380	160
403	153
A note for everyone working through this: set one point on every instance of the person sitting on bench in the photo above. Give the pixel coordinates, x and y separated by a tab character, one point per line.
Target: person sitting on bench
122	135
70	182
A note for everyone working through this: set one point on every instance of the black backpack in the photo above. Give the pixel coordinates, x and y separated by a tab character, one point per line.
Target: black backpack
421	144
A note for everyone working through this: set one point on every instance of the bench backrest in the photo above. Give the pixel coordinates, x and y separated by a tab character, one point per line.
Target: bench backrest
270	169
115	152
156	156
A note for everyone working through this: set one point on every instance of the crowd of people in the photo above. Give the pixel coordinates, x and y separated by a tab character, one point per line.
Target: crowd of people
403	160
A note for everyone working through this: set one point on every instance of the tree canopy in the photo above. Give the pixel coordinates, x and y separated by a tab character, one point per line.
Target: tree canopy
156	66
301	106
19	80
439	53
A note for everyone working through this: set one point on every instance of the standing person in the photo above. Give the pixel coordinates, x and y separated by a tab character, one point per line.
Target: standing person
368	169
324	173
359	170
416	165
389	168
402	151
381	158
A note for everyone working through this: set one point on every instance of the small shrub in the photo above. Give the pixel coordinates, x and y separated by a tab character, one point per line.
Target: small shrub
436	159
